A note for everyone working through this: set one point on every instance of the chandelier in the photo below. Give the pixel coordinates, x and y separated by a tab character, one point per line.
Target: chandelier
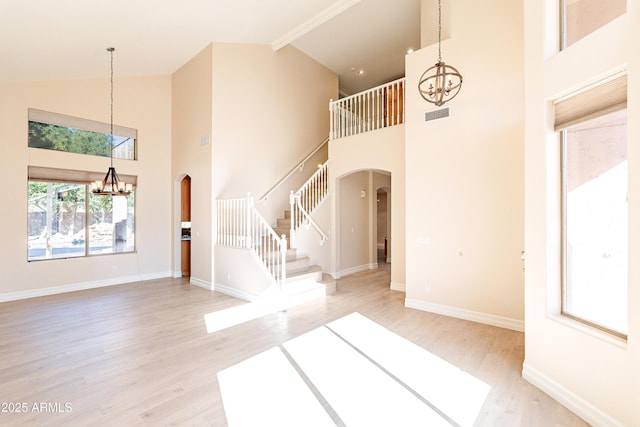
440	83
111	185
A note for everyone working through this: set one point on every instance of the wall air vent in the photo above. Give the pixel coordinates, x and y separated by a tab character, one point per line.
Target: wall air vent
440	113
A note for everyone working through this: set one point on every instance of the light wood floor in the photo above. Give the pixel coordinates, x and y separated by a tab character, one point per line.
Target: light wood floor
139	354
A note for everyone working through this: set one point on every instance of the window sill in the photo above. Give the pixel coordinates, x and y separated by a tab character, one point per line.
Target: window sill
589	330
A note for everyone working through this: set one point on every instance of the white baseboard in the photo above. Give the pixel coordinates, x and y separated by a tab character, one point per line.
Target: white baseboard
33	293
357	269
200	283
459	313
398	287
233	292
572	401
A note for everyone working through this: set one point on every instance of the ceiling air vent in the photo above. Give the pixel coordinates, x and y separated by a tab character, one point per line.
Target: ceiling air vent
441	113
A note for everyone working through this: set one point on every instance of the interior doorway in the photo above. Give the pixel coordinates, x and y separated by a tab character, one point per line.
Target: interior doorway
185	226
383	227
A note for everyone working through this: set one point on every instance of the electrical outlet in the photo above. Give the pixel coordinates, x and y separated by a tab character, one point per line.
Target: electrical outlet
427	288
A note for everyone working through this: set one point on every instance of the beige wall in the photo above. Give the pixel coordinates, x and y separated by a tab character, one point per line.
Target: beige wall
355	227
191	123
382	150
270	109
464	210
142	103
593	374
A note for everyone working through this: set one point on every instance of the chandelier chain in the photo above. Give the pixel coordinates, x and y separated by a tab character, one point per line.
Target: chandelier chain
111	49
439	30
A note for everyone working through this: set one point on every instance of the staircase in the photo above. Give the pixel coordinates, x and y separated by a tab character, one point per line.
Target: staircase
240	225
303	281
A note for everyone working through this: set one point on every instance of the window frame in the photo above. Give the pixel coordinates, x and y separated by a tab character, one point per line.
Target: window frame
563	26
563	245
70	122
58	175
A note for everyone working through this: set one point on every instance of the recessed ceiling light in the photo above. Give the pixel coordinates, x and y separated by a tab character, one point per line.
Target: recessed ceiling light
410	50
361	71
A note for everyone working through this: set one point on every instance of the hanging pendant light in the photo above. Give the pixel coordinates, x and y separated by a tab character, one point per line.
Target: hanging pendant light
111	185
440	83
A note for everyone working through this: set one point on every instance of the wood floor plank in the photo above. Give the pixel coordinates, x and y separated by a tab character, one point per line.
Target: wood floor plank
139	354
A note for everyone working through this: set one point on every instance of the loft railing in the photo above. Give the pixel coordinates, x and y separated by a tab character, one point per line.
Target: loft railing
240	225
376	108
305	200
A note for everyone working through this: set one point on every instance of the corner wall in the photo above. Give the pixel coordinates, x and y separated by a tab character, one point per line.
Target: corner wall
465	179
595	375
191	124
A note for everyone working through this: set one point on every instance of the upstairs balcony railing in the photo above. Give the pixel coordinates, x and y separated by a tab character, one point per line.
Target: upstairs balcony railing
376	108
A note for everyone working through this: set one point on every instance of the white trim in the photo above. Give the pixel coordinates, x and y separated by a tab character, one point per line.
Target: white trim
572	401
200	283
401	287
357	269
177	274
233	292
154	276
460	313
34	293
312	23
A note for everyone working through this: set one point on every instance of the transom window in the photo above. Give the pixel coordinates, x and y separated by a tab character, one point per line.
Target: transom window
580	18
54	131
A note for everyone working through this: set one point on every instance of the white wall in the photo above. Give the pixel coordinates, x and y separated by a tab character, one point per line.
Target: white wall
593	374
464	193
143	103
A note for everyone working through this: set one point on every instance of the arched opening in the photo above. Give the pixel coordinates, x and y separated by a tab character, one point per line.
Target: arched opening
363	221
182	234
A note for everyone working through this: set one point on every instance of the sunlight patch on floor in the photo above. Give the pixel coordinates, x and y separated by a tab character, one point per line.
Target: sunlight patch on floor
360	393
279	394
456	393
219	320
366	374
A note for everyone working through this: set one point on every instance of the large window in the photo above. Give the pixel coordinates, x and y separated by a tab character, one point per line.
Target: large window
53	131
580	18
595	208
65	219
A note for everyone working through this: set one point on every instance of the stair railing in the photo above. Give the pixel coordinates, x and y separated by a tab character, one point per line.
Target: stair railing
376	108
300	164
240	225
306	199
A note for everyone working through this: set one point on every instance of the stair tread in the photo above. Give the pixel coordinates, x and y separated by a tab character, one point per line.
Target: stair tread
309	272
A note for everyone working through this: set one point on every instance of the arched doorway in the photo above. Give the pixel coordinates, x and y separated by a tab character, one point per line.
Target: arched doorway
360	230
182	233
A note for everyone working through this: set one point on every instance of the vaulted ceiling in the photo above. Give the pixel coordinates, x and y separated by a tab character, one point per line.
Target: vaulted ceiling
66	39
